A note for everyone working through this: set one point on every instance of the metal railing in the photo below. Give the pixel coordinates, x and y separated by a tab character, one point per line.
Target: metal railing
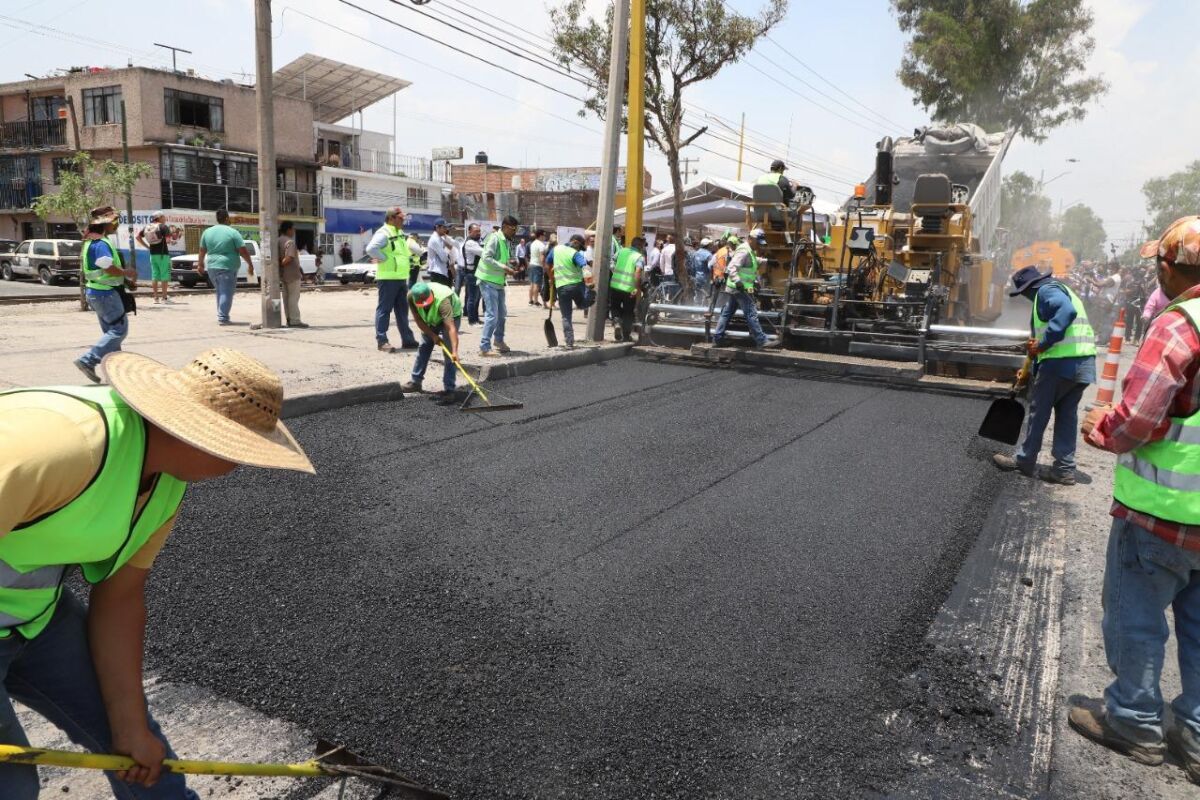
210	197
38	133
384	163
304	204
18	195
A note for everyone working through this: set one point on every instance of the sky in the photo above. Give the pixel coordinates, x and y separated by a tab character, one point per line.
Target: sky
819	93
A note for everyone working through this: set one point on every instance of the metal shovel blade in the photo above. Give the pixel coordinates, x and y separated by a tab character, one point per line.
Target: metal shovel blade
338	761
1003	421
551	334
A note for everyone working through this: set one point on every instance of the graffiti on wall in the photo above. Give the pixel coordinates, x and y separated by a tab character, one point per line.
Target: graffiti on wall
571	180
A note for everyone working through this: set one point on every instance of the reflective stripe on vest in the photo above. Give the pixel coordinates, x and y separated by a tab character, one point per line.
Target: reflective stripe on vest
431	314
1079	339
95	278
625	270
748	271
1162	478
397	264
100	529
488	271
566	272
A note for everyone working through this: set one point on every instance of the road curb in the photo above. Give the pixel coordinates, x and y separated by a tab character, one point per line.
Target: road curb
39	299
382	392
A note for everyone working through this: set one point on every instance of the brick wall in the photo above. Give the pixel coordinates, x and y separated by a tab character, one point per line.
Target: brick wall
494	178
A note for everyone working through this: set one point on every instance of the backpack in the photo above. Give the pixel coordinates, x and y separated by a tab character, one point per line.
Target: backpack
150	234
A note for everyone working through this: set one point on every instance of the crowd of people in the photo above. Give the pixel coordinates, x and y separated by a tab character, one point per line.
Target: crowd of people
1107	289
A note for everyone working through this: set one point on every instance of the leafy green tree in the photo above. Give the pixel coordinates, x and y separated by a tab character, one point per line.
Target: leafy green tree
1024	210
1082	232
85	184
1004	64
1171	197
687	41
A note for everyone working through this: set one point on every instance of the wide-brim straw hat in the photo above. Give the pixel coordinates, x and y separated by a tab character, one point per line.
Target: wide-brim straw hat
224	402
104	215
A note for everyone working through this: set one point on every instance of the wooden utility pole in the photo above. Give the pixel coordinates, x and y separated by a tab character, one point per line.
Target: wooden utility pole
637	120
269	279
741	145
129	194
608	170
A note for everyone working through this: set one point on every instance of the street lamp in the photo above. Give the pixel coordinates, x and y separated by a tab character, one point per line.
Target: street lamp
1042	182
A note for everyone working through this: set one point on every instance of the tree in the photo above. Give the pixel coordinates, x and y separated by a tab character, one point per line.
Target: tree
1171	197
1024	210
1082	232
1004	64
687	41
85	184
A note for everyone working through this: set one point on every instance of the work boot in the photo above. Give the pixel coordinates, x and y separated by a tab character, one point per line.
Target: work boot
413	345
411	386
769	344
444	398
618	334
88	370
1093	724
501	347
384	347
297	324
1177	743
1058	476
487	354
1008	464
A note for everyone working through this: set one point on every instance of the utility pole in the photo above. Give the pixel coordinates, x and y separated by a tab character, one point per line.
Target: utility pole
608	170
688	170
129	194
637	120
269	279
742	145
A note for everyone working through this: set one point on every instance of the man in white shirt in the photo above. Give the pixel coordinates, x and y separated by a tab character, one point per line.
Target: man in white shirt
472	251
537	266
440	266
667	260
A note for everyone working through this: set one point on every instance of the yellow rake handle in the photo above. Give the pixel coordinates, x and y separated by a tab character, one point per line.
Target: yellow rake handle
13	754
471	381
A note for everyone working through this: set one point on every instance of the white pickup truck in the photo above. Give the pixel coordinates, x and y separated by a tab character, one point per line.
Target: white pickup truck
183	268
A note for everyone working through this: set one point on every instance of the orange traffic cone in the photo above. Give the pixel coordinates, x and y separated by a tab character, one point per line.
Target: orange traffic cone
1108	377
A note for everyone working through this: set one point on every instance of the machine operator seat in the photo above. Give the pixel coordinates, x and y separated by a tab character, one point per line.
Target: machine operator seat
932	196
768	206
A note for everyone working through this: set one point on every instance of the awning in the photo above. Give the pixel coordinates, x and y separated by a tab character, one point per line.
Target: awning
335	89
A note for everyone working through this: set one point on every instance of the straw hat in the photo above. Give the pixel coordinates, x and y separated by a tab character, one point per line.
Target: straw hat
103	215
224	403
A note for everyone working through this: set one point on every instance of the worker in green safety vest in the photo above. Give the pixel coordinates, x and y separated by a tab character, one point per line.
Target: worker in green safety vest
1062	345
1153	560
393	257
437	310
776	178
103	274
740	275
567	273
624	286
94	477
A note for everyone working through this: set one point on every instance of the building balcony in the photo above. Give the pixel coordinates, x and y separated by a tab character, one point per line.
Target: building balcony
19	195
39	134
381	162
236	199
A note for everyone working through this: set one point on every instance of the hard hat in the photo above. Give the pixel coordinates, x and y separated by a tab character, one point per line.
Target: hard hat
705	242
760	234
421	294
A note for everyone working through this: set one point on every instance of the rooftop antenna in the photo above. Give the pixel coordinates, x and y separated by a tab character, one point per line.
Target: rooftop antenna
173	50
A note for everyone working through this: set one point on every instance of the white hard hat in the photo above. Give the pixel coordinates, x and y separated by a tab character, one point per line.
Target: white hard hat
705	242
758	233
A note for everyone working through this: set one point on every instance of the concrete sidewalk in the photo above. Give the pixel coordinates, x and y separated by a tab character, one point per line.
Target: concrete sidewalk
38	343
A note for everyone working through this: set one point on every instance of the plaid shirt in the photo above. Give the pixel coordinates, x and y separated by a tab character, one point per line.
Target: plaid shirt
1161	384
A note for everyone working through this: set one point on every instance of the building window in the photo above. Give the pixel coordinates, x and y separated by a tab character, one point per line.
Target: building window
102	106
45	108
194	110
345	188
61	166
418	197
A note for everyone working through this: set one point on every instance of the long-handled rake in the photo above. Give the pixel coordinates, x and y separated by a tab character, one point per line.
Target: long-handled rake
331	762
476	389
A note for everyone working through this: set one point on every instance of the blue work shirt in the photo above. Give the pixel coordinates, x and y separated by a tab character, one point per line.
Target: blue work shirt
1054	307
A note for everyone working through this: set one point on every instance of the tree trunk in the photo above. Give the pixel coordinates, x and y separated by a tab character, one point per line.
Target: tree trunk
680	255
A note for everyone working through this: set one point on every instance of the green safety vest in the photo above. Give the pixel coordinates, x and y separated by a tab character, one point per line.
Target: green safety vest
430	313
769	179
488	271
566	273
624	271
1162	478
398	262
1079	339
97	530
95	278
748	271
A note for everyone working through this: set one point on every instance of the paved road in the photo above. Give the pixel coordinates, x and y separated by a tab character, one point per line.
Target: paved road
654	581
22	287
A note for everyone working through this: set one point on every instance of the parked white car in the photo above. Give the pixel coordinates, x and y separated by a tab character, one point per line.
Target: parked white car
48	260
183	268
361	270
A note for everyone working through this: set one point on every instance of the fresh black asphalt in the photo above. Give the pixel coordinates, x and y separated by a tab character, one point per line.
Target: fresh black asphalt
653	581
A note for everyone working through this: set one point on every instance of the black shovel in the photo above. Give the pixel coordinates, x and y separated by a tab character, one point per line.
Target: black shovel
1007	414
548	326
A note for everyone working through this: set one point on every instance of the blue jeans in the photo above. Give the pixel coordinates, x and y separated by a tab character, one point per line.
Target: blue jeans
224	281
577	294
494	313
53	675
742	300
393	298
449	371
1050	392
473	297
114	325
1143	576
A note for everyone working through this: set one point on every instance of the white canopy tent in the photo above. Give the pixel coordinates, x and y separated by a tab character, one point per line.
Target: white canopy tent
707	201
